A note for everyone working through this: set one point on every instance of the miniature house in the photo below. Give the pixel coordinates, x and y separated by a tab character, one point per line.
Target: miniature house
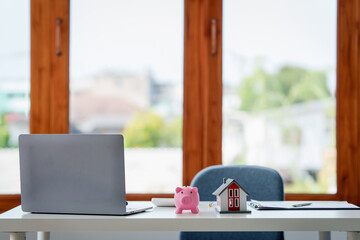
231	197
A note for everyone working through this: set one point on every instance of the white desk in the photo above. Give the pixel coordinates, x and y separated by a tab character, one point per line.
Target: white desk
18	222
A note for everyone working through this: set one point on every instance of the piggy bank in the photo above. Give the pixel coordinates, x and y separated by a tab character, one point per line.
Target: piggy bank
186	198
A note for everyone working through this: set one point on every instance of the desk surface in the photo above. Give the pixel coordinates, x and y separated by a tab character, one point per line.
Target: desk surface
165	219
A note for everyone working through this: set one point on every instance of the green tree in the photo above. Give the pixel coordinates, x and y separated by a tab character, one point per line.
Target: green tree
290	85
143	130
4	133
148	129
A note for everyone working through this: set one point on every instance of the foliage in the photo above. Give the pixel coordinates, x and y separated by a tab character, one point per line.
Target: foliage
148	129
288	86
4	133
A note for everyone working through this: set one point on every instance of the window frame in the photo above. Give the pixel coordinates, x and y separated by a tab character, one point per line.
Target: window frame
202	90
230	202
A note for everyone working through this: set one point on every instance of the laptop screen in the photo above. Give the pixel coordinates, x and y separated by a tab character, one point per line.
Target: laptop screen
65	173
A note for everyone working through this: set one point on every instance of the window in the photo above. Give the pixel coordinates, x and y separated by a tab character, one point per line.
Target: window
236	202
14	88
236	192
279	81
230	202
130	81
202	119
230	193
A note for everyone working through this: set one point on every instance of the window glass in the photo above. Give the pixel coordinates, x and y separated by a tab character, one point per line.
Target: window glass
14	88
236	192
126	77
279	82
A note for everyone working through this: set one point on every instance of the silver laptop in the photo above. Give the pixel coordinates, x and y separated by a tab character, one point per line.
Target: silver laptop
76	174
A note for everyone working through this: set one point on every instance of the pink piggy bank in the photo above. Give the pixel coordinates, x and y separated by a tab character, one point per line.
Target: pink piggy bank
186	198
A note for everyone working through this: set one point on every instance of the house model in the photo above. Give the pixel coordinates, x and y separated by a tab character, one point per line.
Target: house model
231	197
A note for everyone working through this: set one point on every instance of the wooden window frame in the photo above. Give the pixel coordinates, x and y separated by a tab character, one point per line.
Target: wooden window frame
202	90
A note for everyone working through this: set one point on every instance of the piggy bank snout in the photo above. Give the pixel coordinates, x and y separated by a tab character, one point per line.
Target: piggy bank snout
186	200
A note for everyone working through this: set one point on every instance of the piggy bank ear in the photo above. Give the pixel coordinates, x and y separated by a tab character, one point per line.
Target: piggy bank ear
195	189
178	189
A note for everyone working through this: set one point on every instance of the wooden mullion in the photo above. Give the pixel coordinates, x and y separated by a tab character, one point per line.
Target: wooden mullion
313	197
49	92
212	84
348	101
193	94
59	111
202	88
147	197
40	70
9	201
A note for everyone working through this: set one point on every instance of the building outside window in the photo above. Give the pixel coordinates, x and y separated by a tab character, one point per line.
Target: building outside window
14	88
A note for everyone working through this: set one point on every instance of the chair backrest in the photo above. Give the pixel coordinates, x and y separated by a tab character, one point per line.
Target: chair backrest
263	184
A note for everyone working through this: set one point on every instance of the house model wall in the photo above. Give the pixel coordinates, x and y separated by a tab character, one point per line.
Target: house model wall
231	197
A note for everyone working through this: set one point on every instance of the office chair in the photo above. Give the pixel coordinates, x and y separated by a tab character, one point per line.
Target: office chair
263	184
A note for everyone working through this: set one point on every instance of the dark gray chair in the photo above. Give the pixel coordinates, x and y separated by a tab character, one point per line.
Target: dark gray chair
263	184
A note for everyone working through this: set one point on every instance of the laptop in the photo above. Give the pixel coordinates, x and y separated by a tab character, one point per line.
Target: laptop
73	174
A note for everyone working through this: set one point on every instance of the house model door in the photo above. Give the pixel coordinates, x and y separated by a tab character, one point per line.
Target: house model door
234	197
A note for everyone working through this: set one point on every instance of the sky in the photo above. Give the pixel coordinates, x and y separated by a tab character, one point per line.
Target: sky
14	40
147	36
280	32
128	36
